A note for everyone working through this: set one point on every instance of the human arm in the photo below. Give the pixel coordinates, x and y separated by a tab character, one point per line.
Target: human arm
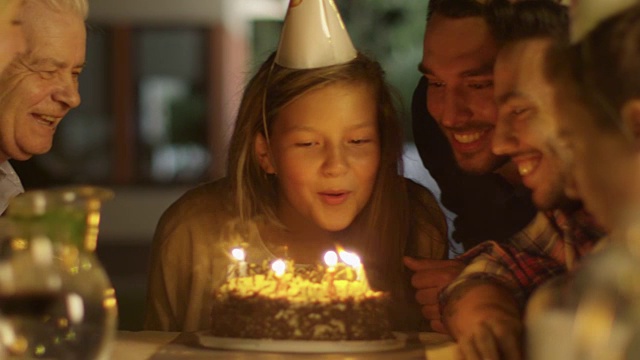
485	319
171	276
429	278
426	252
481	308
187	262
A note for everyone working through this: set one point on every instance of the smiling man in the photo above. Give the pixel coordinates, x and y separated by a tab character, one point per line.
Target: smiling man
526	130
482	307
40	86
454	118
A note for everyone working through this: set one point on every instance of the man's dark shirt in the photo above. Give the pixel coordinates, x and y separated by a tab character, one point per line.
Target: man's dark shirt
487	206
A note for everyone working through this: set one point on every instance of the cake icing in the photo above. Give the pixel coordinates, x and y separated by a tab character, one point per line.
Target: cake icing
306	304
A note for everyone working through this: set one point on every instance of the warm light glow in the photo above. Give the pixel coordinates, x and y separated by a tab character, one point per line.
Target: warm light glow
350	258
331	259
278	267
238	254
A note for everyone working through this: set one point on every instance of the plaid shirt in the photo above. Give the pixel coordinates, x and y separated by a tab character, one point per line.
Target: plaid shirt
550	245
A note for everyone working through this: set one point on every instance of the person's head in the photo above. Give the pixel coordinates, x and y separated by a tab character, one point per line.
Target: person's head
11	36
597	91
458	56
332	144
40	85
526	127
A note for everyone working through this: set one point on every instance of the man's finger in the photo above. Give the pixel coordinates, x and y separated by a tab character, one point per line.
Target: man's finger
438	326
486	343
510	339
510	346
427	296
431	312
467	350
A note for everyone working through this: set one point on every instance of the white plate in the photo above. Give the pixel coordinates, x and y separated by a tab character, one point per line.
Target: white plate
301	346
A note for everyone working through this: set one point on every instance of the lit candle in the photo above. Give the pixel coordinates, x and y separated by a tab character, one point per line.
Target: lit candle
353	260
239	255
278	267
331	259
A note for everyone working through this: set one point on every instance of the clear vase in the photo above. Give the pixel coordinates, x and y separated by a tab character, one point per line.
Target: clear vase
56	297
595	313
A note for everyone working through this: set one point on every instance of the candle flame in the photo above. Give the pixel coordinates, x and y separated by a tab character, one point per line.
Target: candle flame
331	258
238	254
349	258
278	267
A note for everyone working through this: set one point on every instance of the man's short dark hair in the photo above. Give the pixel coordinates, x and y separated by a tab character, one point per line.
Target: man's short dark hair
455	8
527	19
458	9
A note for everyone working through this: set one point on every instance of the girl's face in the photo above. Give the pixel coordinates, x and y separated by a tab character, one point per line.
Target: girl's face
325	152
603	165
11	36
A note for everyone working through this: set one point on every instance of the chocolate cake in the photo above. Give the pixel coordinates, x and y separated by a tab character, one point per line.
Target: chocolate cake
303	305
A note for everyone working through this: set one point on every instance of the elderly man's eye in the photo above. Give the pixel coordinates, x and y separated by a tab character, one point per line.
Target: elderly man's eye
519	110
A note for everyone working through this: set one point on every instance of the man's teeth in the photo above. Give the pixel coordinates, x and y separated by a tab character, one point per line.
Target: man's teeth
467	138
526	167
49	119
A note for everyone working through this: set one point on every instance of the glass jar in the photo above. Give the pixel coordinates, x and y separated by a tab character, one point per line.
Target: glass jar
54	293
593	314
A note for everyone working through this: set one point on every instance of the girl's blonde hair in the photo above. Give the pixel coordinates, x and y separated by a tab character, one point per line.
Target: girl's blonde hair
385	220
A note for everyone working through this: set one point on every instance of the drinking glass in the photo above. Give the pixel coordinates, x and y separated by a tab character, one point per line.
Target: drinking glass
56	297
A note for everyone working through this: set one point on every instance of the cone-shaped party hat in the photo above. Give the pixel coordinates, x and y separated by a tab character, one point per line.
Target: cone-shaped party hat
313	36
587	14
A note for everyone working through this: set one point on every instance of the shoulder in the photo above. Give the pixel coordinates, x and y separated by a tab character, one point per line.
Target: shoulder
200	210
206	198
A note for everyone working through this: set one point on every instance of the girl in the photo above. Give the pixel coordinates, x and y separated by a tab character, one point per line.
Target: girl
313	162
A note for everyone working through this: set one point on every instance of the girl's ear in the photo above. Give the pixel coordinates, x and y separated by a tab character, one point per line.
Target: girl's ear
631	119
263	154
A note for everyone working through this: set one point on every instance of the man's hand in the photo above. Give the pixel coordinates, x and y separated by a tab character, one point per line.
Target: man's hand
494	338
430	277
486	323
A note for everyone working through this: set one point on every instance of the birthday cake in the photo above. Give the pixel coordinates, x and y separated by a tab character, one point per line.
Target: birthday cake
304	304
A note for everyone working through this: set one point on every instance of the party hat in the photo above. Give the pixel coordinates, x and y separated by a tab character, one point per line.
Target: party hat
313	36
587	14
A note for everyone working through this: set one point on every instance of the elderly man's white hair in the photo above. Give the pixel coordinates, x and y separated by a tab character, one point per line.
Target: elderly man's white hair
80	7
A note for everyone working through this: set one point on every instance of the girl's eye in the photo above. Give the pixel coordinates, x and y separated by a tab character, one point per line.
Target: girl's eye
360	141
304	144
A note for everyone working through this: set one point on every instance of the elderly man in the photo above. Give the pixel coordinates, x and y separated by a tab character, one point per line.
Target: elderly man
40	86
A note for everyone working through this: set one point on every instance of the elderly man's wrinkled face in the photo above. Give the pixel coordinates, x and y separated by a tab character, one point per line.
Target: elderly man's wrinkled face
458	58
526	129
40	86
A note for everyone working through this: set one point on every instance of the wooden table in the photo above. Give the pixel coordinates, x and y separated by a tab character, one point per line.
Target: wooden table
155	345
